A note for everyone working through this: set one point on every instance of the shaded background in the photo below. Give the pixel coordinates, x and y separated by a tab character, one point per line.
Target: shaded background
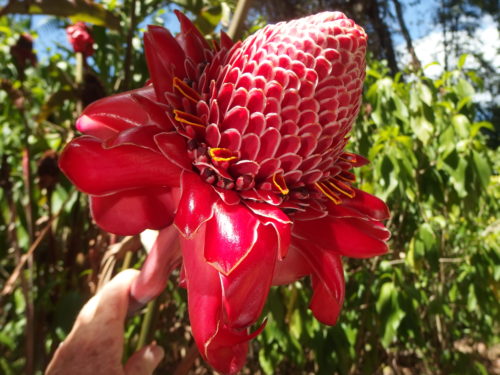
429	124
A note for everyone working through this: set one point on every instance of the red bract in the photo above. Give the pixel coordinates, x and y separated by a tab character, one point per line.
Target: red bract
240	147
80	38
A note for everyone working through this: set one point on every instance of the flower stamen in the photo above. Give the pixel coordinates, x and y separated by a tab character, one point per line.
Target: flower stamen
348	157
185	90
330	194
187	118
342	188
347	176
280	183
222	154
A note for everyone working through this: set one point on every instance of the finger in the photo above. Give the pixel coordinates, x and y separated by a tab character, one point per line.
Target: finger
144	361
98	331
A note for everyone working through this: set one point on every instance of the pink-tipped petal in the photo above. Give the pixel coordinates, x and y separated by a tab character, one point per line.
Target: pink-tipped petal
99	171
132	211
164	257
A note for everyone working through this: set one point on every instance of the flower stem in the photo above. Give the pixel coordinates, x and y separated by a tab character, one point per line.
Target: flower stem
80	60
147	323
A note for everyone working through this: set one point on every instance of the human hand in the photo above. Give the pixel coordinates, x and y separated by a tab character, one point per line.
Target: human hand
95	344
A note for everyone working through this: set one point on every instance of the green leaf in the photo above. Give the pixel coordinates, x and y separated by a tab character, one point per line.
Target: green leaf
384	295
461	61
477	126
461	125
425	94
296	324
464	89
482	168
423	129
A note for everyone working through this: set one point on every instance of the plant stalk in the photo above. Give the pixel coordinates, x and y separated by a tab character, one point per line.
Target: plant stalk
240	14
146	334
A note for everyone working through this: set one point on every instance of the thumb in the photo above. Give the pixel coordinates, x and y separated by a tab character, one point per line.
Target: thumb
144	361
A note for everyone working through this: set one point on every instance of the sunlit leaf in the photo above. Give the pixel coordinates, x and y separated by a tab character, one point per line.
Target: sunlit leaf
78	10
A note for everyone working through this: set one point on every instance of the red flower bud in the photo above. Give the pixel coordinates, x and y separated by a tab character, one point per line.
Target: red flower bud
80	38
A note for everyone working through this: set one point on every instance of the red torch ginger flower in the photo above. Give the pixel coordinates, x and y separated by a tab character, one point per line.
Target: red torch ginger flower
238	151
80	38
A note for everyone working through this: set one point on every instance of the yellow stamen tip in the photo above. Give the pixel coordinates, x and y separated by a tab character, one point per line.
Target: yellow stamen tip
280	183
222	154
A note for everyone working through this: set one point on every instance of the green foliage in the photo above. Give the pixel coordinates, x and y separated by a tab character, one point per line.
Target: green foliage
437	288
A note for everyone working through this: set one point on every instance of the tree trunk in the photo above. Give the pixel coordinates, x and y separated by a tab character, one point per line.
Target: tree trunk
406	34
382	32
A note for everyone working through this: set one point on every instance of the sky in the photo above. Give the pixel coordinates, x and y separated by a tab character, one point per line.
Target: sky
427	38
419	26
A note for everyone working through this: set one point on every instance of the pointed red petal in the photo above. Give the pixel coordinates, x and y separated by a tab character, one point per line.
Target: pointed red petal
223	348
245	289
291	268
225	40
328	282
367	205
165	59
174	147
166	48
163	258
132	211
231	234
109	116
99	171
328	289
196	204
357	238
272	215
191	40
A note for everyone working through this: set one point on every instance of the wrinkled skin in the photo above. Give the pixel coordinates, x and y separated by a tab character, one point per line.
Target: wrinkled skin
95	343
237	150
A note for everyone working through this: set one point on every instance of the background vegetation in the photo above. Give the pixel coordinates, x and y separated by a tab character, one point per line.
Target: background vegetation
429	307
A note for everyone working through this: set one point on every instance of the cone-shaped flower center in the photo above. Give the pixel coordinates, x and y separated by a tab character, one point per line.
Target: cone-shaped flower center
272	114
